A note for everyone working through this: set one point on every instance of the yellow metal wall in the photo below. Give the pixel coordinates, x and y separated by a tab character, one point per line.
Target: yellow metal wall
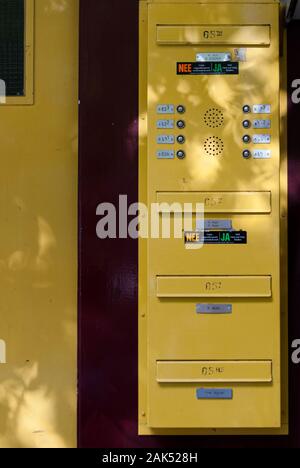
38	241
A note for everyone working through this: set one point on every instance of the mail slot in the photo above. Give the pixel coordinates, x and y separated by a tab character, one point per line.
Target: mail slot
216	202
214	371
214	34
213	286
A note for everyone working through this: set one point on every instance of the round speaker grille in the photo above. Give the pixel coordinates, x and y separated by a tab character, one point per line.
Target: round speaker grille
214	146
214	118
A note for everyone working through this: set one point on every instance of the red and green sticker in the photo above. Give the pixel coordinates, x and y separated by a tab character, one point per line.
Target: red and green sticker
207	68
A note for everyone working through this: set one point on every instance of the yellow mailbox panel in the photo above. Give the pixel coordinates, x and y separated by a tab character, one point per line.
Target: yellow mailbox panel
211	306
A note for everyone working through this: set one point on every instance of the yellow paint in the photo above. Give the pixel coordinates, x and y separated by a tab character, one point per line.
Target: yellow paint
252	193
38	255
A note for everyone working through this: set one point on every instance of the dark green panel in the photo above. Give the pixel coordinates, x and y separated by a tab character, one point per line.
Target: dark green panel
12	50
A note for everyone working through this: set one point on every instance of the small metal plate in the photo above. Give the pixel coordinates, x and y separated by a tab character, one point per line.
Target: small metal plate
211	224
165	139
2	352
214	309
165	154
165	109
214	394
261	139
262	109
214	57
165	124
262	123
262	154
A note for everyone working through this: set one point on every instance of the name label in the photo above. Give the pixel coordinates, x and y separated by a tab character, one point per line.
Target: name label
214	394
165	124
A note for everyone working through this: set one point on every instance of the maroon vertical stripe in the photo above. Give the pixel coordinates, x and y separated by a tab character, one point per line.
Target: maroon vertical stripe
294	227
108	268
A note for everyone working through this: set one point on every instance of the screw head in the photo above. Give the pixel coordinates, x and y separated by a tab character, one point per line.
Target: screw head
181	109
180	139
180	124
246	154
246	109
180	154
246	124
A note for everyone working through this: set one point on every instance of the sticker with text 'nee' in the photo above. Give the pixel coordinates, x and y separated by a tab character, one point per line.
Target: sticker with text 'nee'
207	68
214	394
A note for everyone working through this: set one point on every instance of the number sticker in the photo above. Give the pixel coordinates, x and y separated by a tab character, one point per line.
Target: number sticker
262	154
262	139
262	123
165	154
165	109
165	124
262	109
165	140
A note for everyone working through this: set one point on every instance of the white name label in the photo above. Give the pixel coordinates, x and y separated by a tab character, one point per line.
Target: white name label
262	109
262	154
262	123
165	140
2	352
165	109
165	154
214	57
262	139
165	124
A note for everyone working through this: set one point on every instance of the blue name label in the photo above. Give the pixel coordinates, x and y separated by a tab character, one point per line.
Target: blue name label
214	308
165	154
214	394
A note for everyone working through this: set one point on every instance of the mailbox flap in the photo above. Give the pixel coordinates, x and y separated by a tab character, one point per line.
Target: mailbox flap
245	35
217	202
213	286
214	371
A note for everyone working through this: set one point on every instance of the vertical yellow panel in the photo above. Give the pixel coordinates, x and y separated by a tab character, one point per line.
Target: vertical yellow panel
38	260
230	325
